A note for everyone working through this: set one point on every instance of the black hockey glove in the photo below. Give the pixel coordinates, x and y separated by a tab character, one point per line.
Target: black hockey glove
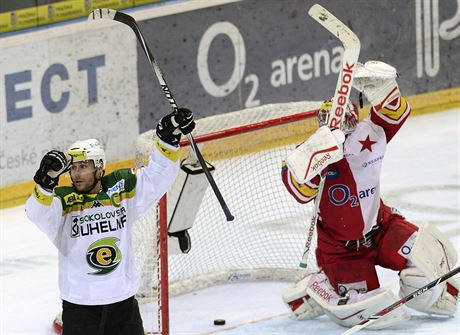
53	164
171	126
184	118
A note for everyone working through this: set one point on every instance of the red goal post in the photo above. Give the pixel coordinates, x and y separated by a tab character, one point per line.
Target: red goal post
266	239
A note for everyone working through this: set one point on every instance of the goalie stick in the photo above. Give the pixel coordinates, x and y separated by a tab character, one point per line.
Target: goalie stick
375	317
105	13
352	47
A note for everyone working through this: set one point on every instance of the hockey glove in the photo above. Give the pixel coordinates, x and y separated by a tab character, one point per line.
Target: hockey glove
170	127
184	118
53	164
377	80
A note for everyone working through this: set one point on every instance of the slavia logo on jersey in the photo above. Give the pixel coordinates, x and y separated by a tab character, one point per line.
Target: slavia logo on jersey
104	255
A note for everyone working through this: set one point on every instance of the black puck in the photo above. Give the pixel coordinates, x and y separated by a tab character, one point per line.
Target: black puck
219	322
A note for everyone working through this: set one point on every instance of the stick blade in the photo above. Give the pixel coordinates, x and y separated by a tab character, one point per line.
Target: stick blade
102	14
318	11
335	26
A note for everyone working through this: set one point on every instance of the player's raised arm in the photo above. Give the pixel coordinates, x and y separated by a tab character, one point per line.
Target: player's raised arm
378	82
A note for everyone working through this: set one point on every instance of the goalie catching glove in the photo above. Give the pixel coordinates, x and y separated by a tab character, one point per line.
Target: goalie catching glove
52	165
172	126
377	80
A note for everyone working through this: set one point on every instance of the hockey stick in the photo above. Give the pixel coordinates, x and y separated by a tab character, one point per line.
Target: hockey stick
375	317
352	47
105	13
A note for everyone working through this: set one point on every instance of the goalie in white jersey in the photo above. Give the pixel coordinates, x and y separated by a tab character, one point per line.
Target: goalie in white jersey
356	230
91	224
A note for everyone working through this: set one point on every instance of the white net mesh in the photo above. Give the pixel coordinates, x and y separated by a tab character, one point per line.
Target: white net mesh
266	240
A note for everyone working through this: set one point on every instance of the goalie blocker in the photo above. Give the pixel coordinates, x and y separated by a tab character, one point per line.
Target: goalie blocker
323	148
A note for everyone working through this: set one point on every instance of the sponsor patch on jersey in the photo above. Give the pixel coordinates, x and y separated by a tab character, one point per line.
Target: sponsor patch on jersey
372	161
104	256
117	188
114	192
367	192
339	194
407	246
333	174
73	198
98	223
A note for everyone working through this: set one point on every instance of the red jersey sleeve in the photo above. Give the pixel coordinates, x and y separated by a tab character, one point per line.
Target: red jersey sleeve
303	193
392	116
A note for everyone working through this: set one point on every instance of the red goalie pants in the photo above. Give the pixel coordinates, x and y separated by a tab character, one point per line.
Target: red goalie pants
353	267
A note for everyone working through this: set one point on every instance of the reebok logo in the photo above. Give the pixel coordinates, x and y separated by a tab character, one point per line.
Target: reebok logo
321	162
321	292
343	91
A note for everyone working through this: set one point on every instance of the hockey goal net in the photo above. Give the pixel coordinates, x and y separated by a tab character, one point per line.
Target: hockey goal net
267	237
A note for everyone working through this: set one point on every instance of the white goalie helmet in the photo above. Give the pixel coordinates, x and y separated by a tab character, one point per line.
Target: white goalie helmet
349	122
88	150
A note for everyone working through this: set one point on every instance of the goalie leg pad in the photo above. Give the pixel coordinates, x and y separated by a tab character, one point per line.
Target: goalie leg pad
301	306
429	302
432	252
360	306
433	255
314	295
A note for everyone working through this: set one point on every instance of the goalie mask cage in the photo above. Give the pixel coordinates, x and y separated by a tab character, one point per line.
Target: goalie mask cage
267	237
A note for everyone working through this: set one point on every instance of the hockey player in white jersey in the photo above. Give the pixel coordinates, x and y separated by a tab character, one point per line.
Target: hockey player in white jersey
91	224
356	229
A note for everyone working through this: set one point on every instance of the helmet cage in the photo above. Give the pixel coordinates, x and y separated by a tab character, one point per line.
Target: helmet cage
350	120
